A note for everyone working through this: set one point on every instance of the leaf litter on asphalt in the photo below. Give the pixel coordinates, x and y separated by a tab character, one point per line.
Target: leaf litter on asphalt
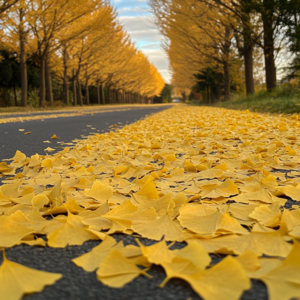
215	179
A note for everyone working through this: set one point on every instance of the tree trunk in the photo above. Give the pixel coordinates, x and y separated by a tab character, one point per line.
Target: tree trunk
23	65
227	80
248	54
15	95
48	83
42	94
79	93
74	88
248	57
87	93
98	94
219	80
66	83
110	97
269	53
212	97
102	93
226	63
207	94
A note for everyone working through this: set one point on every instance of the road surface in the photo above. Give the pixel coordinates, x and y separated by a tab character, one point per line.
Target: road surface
77	284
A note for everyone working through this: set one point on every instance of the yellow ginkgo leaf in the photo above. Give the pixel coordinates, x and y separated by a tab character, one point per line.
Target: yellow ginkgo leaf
219	244
291	218
249	261
226	189
11	234
266	265
5	168
100	191
17	280
19	156
158	253
209	174
70	233
267	215
195	253
179	267
283	282
92	260
204	225
54	136
156	229
295	232
148	190
40	201
227	281
228	224
165	204
116	270
47	163
290	191
269	243
49	149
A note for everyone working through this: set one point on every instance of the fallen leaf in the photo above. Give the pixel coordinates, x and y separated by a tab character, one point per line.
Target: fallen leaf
17	280
116	270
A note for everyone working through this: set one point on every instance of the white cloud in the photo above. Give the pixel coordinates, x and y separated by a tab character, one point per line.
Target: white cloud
137	20
159	59
148	39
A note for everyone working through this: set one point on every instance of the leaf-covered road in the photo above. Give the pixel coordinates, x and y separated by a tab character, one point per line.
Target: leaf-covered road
225	182
64	125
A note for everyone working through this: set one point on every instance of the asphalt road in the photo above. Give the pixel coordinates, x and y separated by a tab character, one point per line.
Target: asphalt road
77	284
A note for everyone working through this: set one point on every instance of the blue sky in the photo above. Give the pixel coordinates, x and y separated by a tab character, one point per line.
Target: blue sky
137	20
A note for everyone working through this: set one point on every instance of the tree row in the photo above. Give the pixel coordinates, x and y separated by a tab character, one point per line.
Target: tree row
222	43
78	44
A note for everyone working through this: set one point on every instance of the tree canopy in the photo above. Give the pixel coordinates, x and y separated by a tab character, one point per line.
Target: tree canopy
78	42
227	37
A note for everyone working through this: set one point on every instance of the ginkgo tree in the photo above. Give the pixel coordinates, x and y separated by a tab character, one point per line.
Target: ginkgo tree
217	35
81	42
7	4
196	38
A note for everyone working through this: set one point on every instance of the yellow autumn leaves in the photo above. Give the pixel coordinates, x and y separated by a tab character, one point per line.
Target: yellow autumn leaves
17	280
215	180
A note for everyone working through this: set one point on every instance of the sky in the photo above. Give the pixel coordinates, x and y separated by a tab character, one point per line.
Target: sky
137	20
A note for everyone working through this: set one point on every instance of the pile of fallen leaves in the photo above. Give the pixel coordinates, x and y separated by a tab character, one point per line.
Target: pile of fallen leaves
58	114
224	182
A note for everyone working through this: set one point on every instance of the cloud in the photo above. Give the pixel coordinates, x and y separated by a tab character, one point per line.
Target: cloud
159	59
133	11
137	20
